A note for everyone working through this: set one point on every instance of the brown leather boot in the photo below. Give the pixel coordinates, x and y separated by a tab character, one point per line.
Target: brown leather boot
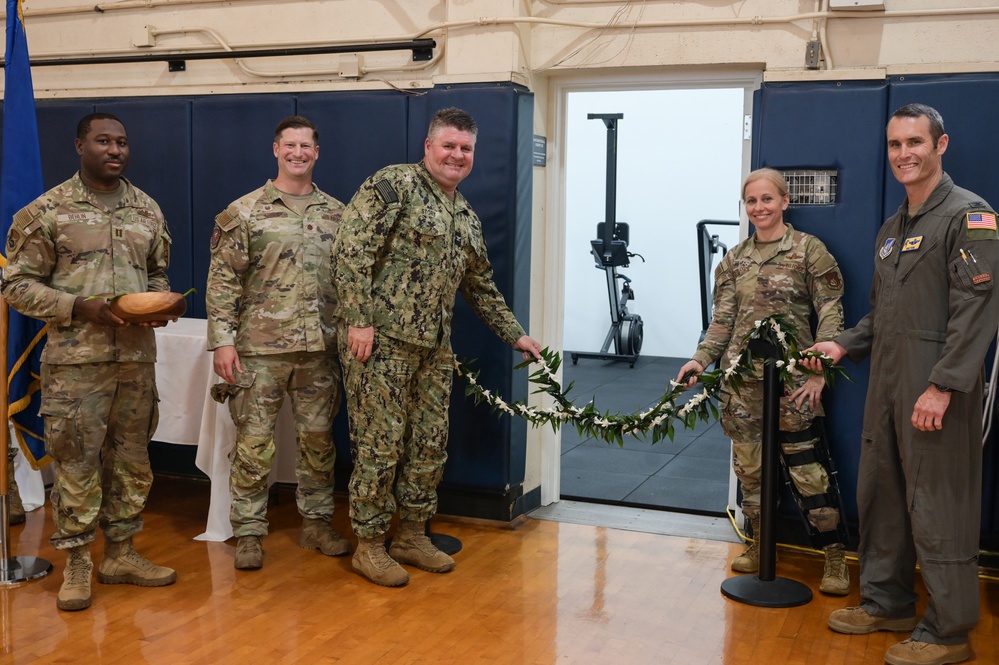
74	594
373	562
123	565
412	547
318	534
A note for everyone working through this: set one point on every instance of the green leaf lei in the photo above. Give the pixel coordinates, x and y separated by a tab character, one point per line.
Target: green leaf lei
660	420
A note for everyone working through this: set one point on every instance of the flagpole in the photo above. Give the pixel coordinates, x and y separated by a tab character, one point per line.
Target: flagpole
13	569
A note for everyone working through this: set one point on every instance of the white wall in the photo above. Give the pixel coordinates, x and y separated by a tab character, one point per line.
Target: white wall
680	157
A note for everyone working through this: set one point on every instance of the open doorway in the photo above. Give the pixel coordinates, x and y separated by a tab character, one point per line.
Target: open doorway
682	150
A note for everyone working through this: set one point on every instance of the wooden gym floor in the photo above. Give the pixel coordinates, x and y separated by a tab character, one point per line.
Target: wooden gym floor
543	593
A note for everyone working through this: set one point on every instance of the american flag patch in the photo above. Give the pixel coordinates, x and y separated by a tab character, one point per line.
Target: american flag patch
982	220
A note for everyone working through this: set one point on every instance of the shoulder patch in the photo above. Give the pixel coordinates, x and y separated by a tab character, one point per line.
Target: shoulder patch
26	221
386	191
981	225
227	220
980	220
216	236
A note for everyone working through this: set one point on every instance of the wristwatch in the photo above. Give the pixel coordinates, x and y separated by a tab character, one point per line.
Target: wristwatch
943	389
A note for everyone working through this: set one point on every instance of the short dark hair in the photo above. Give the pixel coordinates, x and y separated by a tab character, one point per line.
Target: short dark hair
922	110
296	122
453	117
83	127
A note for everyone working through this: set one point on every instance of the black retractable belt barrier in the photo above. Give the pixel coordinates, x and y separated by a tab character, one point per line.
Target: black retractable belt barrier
766	589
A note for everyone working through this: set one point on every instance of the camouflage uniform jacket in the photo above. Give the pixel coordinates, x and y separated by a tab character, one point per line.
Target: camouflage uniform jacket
270	283
790	277
404	250
66	244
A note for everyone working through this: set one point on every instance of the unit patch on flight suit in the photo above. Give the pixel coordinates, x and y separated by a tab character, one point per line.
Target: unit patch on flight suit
886	249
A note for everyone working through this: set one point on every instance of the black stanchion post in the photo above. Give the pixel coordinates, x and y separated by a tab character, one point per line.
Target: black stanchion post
765	589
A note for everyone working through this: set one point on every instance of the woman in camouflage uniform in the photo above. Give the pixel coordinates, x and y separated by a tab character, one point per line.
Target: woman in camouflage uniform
781	271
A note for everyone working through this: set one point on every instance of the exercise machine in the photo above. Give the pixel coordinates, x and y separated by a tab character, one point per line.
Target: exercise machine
610	250
708	245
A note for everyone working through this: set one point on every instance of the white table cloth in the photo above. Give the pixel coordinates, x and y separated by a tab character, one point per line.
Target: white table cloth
189	416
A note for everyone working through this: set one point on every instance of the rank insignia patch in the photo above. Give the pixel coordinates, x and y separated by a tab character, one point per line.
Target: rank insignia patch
912	244
886	249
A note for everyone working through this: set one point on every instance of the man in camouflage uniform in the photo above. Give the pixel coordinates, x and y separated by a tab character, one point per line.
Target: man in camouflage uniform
408	242
270	323
791	274
93	237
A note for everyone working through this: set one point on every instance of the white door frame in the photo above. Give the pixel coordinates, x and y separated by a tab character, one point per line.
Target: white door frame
559	88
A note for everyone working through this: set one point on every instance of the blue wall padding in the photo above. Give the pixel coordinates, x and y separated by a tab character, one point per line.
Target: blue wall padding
195	154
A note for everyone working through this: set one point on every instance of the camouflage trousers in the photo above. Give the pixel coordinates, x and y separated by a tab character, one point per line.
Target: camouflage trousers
742	421
99	418
397	404
11	456
312	380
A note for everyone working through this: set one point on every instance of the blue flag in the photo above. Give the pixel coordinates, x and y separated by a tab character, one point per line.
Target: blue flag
20	184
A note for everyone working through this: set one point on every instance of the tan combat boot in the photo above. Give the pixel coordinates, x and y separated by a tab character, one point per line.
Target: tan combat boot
857	621
914	652
373	562
15	508
835	575
412	547
318	534
249	553
749	561
74	594
123	565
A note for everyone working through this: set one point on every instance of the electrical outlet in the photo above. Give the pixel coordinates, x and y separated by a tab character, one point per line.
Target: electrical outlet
812	52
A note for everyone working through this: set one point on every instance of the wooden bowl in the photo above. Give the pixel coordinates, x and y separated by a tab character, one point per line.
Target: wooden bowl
149	306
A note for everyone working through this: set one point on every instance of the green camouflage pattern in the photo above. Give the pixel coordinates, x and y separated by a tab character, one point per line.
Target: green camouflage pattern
312	381
792	277
66	244
99	418
399	263
270	282
14	496
398	407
